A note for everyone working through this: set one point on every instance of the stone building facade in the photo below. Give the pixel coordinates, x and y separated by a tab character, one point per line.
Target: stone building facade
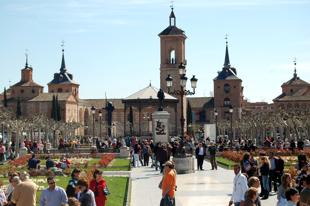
132	115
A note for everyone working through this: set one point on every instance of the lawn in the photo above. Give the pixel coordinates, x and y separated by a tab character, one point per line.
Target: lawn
118	164
225	162
118	187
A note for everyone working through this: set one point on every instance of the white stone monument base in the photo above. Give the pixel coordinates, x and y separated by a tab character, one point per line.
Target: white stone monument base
124	152
184	165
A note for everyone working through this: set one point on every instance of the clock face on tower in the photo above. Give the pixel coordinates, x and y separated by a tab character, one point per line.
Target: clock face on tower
226	88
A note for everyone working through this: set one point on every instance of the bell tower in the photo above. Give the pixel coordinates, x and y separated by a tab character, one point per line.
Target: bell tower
172	52
172	56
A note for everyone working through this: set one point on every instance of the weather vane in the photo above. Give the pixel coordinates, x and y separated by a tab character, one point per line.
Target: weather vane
26	54
63	45
171	4
226	38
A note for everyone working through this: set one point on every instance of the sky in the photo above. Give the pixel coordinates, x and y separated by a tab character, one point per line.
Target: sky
113	46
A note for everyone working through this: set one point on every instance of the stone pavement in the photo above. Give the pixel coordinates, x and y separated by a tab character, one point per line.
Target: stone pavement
207	188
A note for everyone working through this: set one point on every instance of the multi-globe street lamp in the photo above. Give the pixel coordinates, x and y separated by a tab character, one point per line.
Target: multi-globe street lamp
231	110
93	111
100	120
215	117
182	91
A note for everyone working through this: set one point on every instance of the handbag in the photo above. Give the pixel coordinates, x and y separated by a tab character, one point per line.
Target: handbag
166	201
106	191
160	184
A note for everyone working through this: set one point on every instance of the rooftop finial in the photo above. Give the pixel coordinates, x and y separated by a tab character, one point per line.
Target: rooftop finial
63	46
226	62
172	21
26	54
171	5
150	83
295	71
63	64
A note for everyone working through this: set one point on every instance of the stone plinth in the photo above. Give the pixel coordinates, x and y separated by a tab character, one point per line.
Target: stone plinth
160	121
124	152
184	165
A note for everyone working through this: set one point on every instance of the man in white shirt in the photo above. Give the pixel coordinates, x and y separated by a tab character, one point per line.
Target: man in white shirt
239	188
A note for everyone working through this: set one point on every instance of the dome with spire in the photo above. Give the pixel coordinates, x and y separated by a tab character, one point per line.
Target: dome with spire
228	72
172	29
63	77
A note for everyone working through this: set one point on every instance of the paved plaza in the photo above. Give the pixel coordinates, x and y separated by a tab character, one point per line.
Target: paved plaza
208	187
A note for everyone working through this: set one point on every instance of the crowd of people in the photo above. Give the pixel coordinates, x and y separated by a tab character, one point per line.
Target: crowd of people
22	190
267	174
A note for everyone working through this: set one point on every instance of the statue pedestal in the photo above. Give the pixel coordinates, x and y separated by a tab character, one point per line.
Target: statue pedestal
184	165
160	126
124	152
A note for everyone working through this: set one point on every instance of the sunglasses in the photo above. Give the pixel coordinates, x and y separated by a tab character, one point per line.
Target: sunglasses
51	183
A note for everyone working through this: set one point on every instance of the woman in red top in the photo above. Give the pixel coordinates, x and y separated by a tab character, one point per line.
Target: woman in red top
97	185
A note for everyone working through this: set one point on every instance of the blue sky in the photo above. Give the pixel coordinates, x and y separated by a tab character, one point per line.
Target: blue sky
112	46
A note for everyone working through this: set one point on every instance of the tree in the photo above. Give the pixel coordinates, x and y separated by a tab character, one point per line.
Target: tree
130	119
18	109
54	109
58	109
5	100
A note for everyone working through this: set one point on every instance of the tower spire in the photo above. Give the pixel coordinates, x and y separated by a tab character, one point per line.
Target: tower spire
63	64
295	71
26	54
226	61
172	20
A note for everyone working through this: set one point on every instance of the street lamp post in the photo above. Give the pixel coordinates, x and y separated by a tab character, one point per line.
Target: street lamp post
182	91
216	132
100	121
231	129
147	116
93	111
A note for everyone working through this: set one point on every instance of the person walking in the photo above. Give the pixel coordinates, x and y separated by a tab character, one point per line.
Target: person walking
292	197
200	155
99	187
71	188
286	182
25	192
250	197
212	151
305	193
86	196
264	171
53	195
168	185
239	188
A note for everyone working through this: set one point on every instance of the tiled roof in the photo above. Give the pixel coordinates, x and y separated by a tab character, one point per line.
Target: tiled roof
27	84
172	30
45	97
149	92
100	103
201	102
227	73
63	78
296	81
302	94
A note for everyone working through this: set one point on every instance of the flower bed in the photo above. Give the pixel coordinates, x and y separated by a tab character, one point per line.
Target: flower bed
106	159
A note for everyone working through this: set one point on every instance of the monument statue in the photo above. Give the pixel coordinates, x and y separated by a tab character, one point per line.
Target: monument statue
161	97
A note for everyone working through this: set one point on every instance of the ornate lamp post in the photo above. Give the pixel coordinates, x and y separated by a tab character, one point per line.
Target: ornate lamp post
93	111
182	91
231	129
215	116
100	121
147	117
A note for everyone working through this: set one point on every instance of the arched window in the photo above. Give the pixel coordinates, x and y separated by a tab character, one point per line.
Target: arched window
227	102
172	57
59	90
